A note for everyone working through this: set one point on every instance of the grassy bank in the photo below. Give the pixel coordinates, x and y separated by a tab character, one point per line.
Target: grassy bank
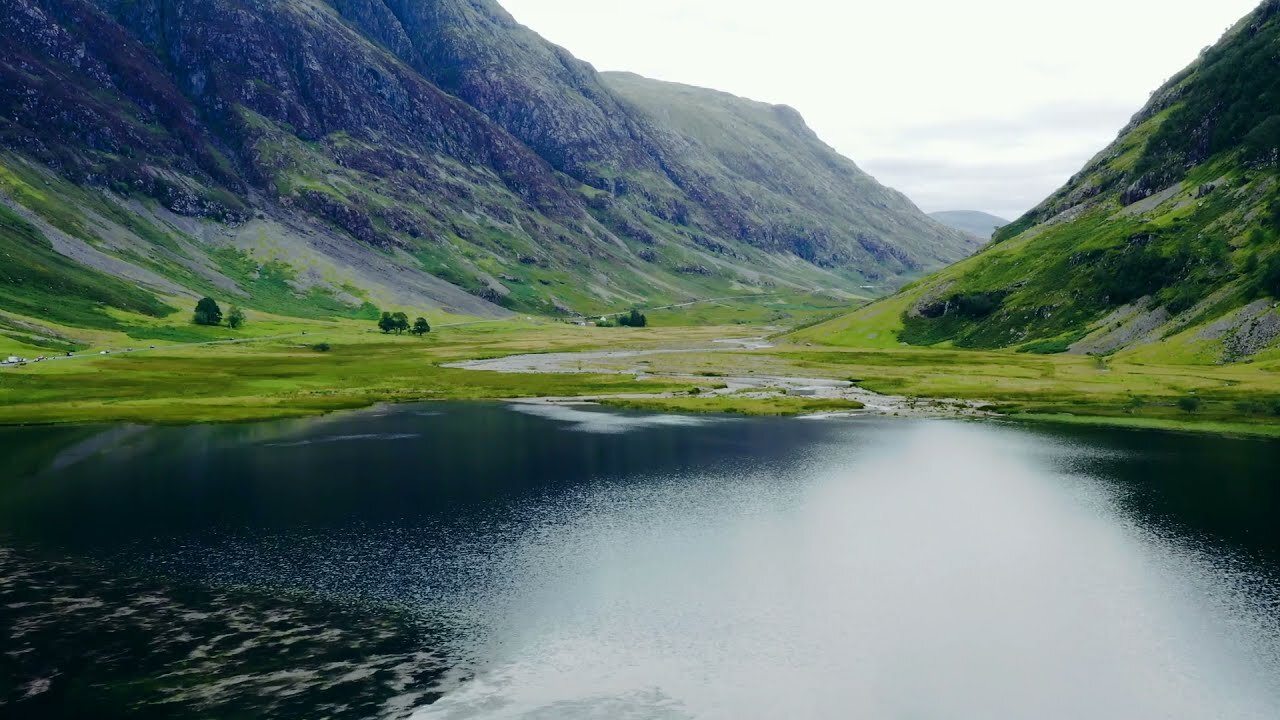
1236	398
295	367
293	376
1241	398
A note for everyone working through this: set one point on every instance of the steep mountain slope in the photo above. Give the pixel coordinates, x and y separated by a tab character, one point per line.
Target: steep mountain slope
1166	244
974	222
321	158
764	161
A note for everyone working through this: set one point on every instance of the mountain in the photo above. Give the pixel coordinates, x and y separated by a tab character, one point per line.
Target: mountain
1165	245
763	159
323	158
974	222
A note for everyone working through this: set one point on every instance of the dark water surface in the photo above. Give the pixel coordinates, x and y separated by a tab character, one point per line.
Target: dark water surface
484	561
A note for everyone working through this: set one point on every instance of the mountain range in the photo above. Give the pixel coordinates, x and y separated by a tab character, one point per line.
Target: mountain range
329	157
1164	246
974	222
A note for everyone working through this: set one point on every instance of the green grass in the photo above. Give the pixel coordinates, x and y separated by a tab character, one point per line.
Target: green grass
1217	427
270	377
38	282
787	309
1117	392
269	285
287	377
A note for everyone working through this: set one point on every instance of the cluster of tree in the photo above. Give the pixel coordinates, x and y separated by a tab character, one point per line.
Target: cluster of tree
634	319
208	313
398	322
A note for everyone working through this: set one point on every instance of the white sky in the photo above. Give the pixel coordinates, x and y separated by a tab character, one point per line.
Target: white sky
962	104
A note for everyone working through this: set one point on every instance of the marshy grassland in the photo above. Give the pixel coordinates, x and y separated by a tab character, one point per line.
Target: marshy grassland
287	367
334	366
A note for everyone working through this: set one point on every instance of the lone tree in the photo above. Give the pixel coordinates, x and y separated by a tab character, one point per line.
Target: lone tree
235	318
207	312
1189	403
421	327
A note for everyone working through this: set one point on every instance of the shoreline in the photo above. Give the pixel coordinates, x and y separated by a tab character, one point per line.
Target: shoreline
700	374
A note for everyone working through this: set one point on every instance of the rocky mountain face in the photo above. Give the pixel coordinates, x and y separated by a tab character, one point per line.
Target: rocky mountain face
974	222
768	180
322	157
1165	245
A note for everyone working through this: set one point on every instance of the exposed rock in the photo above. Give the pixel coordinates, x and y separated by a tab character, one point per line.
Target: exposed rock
1133	324
1254	330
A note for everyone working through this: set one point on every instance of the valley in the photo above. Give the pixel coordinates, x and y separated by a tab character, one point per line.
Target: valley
385	359
275	370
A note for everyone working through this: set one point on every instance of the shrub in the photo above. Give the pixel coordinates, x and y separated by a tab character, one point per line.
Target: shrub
321	347
1269	283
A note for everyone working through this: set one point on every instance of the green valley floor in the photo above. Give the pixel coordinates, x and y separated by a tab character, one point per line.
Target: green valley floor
280	367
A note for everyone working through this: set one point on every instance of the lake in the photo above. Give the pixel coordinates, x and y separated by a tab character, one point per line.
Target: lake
496	561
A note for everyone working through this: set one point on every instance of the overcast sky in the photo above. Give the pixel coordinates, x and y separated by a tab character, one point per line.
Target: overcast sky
963	105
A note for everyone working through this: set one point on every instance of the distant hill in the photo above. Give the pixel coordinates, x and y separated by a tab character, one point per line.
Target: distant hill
763	167
1165	246
974	222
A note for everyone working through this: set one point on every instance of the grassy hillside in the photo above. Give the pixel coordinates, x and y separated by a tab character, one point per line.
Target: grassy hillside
437	155
801	194
1166	246
37	281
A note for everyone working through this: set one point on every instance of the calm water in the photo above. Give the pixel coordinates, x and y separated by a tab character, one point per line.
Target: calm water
484	561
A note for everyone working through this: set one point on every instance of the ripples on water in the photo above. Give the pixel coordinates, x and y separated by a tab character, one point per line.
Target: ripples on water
725	569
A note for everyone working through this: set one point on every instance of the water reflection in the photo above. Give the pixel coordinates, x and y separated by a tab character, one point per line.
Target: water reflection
521	567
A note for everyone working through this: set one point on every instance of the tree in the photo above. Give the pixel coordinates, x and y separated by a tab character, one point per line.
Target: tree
1189	404
207	312
399	322
633	319
235	318
421	327
386	323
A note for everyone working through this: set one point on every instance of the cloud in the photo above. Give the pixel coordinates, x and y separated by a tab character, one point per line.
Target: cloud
1003	165
995	101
